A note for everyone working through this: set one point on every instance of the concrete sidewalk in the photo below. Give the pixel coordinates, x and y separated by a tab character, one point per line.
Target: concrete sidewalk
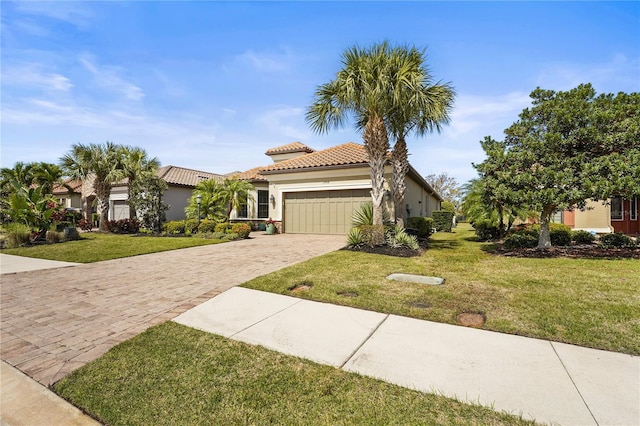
546	381
10	264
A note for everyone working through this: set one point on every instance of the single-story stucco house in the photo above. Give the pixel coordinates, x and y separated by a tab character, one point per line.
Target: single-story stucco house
615	215
68	194
308	191
181	182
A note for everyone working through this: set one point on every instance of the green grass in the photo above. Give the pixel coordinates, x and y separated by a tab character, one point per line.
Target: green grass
172	375
587	302
94	247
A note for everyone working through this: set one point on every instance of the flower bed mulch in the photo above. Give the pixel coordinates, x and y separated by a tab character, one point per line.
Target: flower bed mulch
391	251
578	252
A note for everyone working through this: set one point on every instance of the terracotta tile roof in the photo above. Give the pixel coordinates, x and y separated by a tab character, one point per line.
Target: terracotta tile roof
75	185
251	174
184	177
291	147
345	154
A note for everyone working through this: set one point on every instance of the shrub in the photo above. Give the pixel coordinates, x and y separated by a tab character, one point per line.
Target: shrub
364	215
18	235
520	240
191	226
424	226
617	240
560	234
486	230
123	226
231	236
174	227
242	229
85	225
355	238
223	227
583	237
371	234
54	237
397	237
442	220
207	225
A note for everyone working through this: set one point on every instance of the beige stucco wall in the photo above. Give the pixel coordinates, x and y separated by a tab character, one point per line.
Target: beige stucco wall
421	203
595	217
177	197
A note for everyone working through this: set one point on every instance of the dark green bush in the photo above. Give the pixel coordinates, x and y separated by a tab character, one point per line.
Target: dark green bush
207	225
191	226
442	220
123	226
560	234
486	230
174	227
520	240
583	237
424	226
242	229
617	240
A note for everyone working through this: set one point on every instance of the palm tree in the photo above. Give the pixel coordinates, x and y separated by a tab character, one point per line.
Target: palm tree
419	106
233	193
210	206
362	88
21	173
100	163
136	162
46	175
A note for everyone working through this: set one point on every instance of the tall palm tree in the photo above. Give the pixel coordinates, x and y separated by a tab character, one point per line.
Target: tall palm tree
100	163
362	88
136	162
419	105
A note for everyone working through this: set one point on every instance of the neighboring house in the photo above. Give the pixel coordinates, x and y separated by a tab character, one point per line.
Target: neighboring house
316	192
616	215
69	194
181	183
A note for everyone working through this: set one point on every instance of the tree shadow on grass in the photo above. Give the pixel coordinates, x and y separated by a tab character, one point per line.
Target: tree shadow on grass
443	244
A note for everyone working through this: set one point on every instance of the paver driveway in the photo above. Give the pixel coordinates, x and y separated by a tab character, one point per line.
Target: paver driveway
54	321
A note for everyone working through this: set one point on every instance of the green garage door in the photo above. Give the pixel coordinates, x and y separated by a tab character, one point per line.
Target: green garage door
322	212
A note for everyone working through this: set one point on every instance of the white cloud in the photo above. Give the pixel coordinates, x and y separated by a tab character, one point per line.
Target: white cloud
267	61
72	12
109	77
285	121
34	76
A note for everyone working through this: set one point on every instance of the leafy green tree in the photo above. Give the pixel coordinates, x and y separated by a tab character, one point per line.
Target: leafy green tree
233	193
101	164
563	149
145	198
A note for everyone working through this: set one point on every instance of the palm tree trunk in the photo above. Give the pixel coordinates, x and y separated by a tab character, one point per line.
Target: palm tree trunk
400	167
376	143
102	190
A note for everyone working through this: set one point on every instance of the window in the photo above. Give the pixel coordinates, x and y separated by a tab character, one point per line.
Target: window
243	211
616	208
263	204
633	208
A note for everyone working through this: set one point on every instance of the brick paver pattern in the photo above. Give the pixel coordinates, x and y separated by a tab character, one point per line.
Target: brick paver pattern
54	321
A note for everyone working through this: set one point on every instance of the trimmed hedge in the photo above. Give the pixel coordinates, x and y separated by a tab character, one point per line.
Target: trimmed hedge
486	230
583	237
617	240
207	225
424	225
174	227
242	229
123	226
442	220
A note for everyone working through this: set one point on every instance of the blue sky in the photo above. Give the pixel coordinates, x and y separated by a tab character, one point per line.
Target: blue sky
213	85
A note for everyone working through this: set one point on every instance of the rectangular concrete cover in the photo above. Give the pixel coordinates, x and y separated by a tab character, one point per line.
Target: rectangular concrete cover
512	373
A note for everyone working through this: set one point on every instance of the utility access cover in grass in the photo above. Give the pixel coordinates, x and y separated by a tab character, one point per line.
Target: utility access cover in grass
419	279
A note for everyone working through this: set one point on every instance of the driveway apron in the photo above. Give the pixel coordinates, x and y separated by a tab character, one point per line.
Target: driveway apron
54	321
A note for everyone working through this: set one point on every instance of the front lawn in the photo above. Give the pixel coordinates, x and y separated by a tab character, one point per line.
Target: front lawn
95	246
587	302
175	375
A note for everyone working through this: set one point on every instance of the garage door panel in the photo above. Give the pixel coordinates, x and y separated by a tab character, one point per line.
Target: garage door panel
322	212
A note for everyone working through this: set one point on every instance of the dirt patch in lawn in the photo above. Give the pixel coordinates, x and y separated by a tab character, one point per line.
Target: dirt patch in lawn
581	252
471	319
